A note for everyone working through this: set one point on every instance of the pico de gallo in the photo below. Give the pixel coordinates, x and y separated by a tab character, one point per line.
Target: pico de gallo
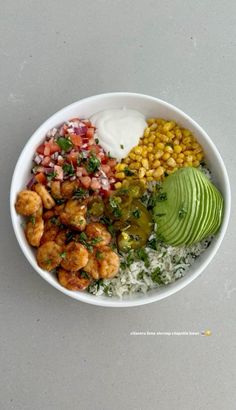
72	152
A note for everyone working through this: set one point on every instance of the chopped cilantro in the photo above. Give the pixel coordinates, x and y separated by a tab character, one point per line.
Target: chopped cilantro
83	274
160	214
64	143
63	255
93	164
80	193
97	140
182	212
121	146
68	169
48	261
136	213
32	219
142	254
99	255
156	276
161	197
114	204
140	275
128	172
54	220
51	175
59	201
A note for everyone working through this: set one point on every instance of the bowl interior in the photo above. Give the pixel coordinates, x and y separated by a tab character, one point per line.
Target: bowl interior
150	107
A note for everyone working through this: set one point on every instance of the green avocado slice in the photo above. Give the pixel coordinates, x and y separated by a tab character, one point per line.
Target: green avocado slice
192	210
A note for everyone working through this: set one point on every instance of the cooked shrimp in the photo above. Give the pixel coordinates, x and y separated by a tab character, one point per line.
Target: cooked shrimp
27	202
98	231
34	231
76	221
49	255
51	230
103	263
61	238
68	188
48	214
48	201
58	209
75	257
74	206
72	280
56	189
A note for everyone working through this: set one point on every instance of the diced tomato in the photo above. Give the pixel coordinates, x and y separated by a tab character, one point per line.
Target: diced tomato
45	162
40	149
94	148
46	149
90	132
76	140
111	162
95	184
106	168
41	178
85	181
53	146
105	193
59	172
73	157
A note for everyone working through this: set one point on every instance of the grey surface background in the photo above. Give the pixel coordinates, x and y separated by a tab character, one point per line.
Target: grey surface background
57	353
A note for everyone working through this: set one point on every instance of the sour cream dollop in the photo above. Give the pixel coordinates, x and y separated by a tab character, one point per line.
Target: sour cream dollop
118	130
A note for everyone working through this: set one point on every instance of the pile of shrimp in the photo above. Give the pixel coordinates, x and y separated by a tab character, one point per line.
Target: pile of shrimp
64	237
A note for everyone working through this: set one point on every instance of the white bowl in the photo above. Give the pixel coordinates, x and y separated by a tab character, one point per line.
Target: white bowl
150	107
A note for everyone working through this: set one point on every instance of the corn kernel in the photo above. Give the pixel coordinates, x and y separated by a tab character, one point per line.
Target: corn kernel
127	160
147	132
183	147
179	160
145	141
160	146
199	156
134	165
156	163
186	132
150	147
150	172
181	155
166	156
153	126
145	163
143	180
177	148
118	185
164	138
151	138
170	135
132	155
144	154
171	162
149	179
139	158
174	155
151	157
196	163
151	120
120	175
168	126
169	149
120	167
138	150
158	172
141	172
178	134
189	158
188	152
159	154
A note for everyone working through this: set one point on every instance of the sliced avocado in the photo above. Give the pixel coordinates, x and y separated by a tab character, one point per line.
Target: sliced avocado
193	208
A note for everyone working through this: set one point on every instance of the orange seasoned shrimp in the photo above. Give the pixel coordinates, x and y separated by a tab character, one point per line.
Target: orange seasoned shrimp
27	202
103	263
68	188
47	199
61	238
72	280
75	256
51	230
49	255
34	231
76	221
96	230
58	209
56	189
74	206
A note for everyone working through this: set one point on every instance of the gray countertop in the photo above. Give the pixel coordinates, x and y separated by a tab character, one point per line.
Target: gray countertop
57	353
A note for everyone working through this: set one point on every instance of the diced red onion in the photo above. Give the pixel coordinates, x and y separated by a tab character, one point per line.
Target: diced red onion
31	183
37	159
81	130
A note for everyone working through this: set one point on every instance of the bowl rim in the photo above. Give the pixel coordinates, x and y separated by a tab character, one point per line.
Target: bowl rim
166	291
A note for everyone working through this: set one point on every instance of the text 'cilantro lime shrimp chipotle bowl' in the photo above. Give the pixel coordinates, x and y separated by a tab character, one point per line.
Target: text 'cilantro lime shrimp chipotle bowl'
120	200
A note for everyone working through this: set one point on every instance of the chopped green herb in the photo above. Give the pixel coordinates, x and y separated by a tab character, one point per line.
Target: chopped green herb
97	140
140	275
54	220
63	255
142	254
59	201
68	169
93	164
64	143
48	261
136	213
128	172
121	146
114	204
80	193
99	255
51	175
83	274
156	276
162	197
161	214
32	219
